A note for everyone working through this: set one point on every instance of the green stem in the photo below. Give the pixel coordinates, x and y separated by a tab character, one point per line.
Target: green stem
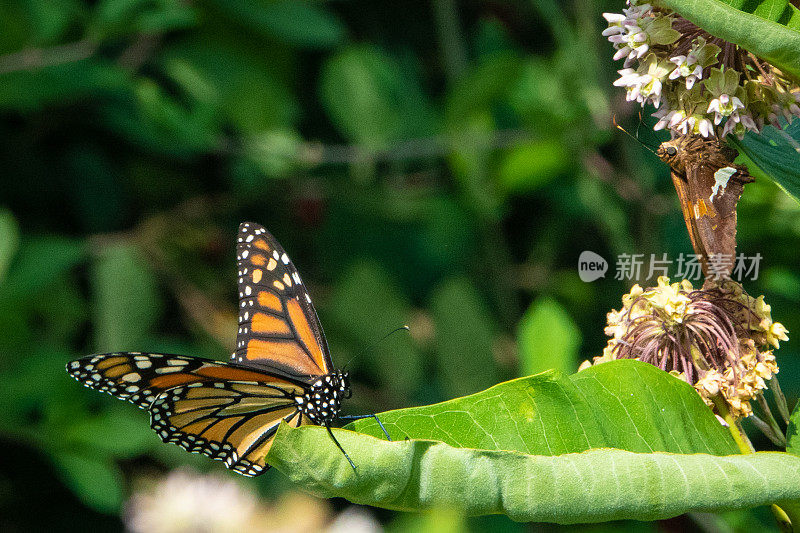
767	430
773	424
740	437
780	399
737	433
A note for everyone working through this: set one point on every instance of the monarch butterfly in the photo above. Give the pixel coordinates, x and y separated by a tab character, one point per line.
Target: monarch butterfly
281	370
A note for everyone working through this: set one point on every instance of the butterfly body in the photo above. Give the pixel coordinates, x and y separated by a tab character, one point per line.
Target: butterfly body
709	186
322	401
281	369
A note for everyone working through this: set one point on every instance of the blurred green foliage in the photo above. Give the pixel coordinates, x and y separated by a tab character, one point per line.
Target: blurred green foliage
439	164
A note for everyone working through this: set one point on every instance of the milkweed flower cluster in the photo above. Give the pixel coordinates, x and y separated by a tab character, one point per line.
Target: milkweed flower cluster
718	339
698	83
188	501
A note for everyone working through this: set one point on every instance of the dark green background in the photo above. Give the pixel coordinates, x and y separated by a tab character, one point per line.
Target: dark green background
438	164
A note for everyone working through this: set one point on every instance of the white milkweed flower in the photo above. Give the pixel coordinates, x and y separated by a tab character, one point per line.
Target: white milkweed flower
724	106
698	83
686	67
185	501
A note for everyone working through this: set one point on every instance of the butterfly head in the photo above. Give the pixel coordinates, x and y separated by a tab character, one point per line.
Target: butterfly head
323	399
669	152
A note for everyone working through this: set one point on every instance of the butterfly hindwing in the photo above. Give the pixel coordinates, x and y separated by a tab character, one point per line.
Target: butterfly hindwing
229	421
224	411
278	326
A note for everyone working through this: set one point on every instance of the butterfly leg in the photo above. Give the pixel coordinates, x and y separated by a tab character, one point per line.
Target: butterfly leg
342	449
359	417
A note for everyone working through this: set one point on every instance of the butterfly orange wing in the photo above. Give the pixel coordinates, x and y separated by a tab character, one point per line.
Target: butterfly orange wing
278	326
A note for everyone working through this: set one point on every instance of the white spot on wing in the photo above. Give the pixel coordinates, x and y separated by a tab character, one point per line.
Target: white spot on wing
721	177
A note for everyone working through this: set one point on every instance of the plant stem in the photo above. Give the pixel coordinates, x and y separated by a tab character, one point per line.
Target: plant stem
737	433
773	424
767	430
780	399
739	436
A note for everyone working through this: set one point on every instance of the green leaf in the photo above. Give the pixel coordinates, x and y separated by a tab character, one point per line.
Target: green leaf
618	440
51	20
115	18
28	90
592	486
371	99
97	482
172	17
537	94
613	405
295	22
193	126
23	393
529	166
769	29
464	338
9	240
776	153
126	298
548	338
486	85
720	82
39	263
276	152
783	281
228	69
793	431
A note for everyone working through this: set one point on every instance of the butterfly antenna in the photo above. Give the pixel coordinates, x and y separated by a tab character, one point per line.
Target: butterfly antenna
639	124
634	137
340	448
378	420
375	343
